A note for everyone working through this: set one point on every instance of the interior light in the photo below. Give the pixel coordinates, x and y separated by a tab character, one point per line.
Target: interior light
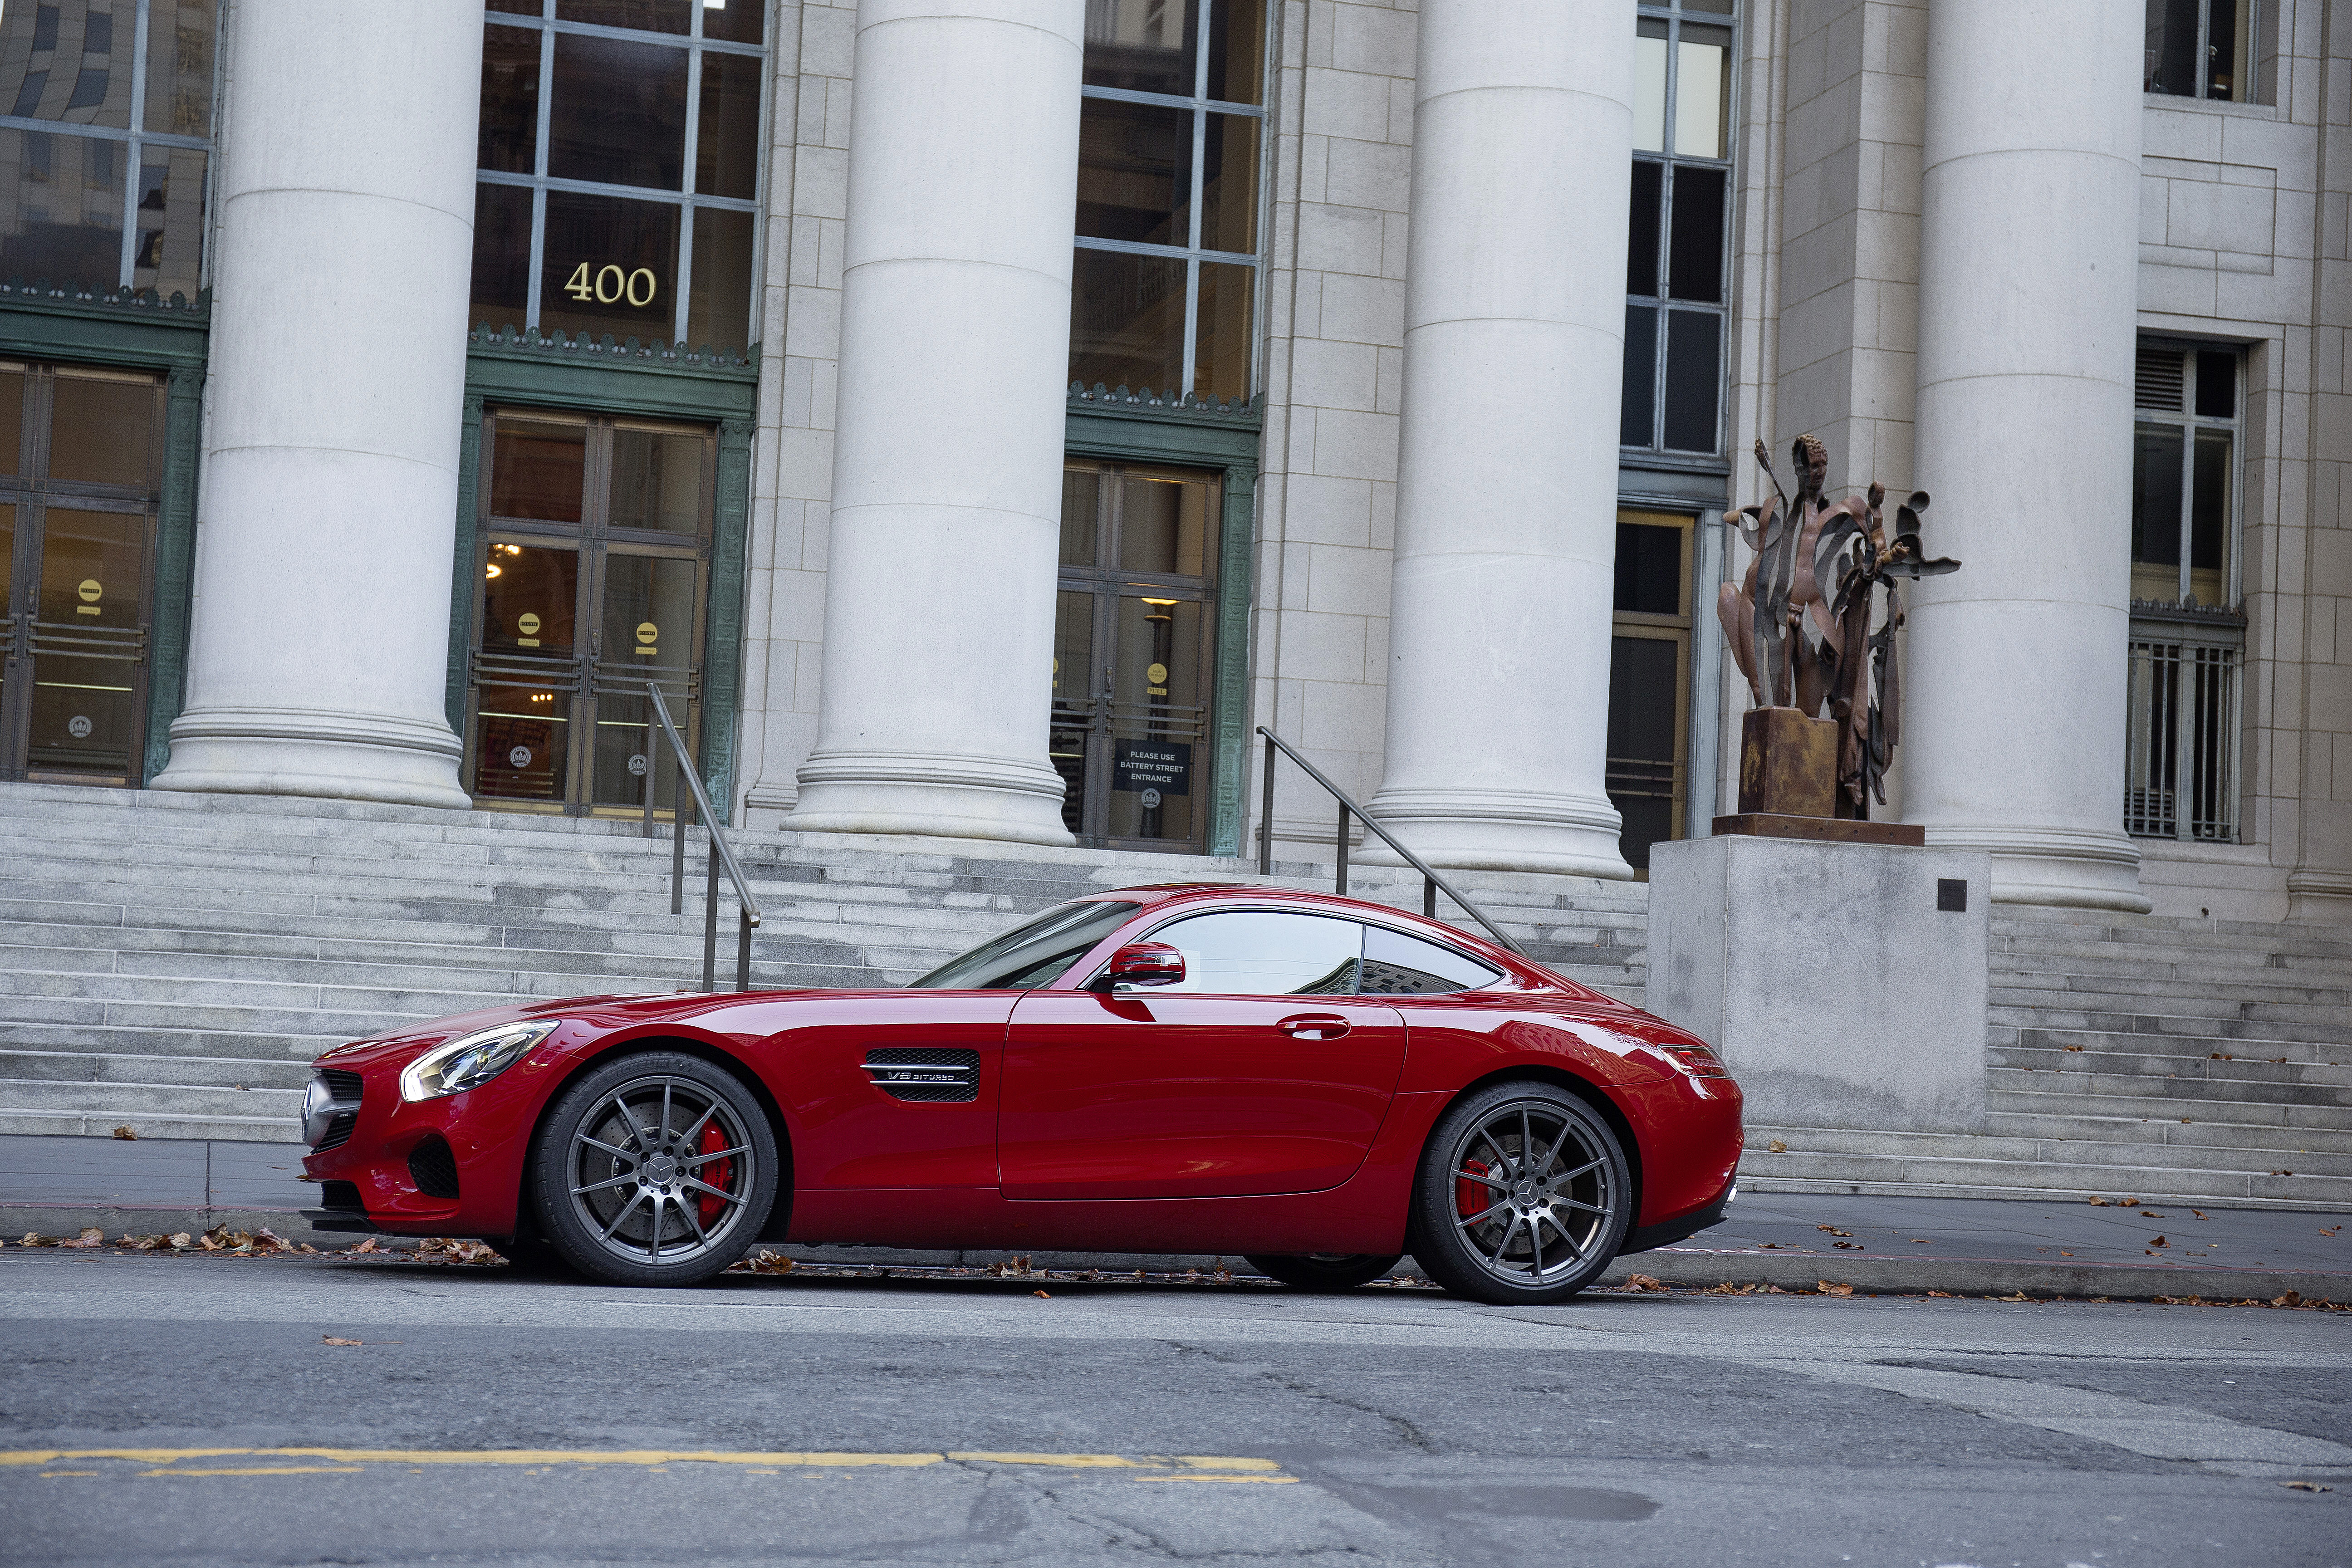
490	570
1160	601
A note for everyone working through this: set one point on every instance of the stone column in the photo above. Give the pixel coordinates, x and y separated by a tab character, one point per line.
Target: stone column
320	635
939	613
2028	311
1506	499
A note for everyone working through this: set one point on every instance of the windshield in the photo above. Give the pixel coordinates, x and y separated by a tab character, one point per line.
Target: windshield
1032	954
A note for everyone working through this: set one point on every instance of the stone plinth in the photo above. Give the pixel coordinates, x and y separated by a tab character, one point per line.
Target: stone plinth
1835	979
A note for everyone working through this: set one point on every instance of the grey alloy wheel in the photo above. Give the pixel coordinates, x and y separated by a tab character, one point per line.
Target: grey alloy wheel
1524	1195
654	1169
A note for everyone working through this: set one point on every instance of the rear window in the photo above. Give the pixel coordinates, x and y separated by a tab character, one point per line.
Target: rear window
1032	954
1396	964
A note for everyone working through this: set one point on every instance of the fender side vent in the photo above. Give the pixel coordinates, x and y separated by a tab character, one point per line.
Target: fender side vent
433	1169
934	1074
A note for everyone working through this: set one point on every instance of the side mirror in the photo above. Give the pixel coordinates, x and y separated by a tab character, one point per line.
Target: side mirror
1141	963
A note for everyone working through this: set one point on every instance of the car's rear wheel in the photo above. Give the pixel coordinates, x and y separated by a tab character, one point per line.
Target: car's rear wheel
1322	1270
654	1169
1523	1197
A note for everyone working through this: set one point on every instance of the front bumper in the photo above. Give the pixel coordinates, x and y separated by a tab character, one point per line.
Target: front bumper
451	1167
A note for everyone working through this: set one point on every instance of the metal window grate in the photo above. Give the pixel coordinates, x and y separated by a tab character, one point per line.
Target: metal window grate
2182	764
2156	382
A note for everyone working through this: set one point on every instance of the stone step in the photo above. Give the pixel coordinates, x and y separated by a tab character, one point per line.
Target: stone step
104	1040
2050	1151
1927	1165
100	1123
127	1099
2182	999
2030	1093
91	1066
1956	1185
2279	1064
2252	1139
2011	929
2066	1020
2185	1094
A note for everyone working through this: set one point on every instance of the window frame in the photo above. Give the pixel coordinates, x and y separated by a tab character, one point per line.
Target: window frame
1199	106
1669	160
539	182
2186	659
135	139
2246	88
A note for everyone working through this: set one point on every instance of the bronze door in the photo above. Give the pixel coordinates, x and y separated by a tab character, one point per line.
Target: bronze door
593	566
79	454
1134	654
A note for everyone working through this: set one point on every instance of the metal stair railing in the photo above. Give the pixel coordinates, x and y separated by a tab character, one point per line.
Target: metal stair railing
1431	881
721	852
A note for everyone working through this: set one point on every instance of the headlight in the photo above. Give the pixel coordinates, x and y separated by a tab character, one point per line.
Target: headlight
472	1061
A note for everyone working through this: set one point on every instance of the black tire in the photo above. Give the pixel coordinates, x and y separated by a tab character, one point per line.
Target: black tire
1550	1163
1322	1270
613	1183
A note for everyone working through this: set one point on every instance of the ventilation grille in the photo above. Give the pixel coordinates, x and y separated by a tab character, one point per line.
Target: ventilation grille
342	1085
341	1196
933	1074
346	1088
433	1169
2158	384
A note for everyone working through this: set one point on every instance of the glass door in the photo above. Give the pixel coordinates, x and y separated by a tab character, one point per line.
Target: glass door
79	487
594	564
1649	680
1133	654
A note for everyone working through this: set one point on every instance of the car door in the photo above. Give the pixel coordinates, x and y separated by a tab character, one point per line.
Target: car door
893	1090
1261	1073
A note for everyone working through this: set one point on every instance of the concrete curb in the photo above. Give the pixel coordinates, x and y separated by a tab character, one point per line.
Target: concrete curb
1686	1268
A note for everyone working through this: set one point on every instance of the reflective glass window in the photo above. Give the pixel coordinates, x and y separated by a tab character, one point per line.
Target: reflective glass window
1396	964
1678	244
1252	953
645	114
1035	953
111	193
1164	288
2207	48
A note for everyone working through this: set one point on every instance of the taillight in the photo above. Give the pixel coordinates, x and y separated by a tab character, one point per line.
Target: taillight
1697	1060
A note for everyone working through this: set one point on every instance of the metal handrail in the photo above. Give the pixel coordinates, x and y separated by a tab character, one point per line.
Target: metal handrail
1431	881
721	852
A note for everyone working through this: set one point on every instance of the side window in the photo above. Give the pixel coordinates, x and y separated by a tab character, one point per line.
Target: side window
1396	964
1255	954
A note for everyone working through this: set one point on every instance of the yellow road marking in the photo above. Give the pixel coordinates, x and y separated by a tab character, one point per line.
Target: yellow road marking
338	1460
268	1471
1268	1481
53	1475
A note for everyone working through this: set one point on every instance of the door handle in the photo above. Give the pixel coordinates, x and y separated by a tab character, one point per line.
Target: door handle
1314	1026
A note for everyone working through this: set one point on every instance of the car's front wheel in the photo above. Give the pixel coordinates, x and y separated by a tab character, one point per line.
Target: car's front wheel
658	1168
1322	1270
1523	1198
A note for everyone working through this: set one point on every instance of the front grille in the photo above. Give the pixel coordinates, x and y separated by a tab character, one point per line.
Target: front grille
434	1168
339	1131
918	1074
342	1085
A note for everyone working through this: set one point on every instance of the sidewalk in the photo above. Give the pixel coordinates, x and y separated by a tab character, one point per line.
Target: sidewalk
1972	1246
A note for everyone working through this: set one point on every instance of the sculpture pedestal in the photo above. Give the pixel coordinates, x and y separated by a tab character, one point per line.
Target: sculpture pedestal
1839	980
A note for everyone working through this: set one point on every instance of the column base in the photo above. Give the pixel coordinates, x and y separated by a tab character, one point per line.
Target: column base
2074	869
2320	895
936	795
1500	830
302	751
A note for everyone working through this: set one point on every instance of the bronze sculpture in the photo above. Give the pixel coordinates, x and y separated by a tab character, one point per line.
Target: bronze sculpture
1799	619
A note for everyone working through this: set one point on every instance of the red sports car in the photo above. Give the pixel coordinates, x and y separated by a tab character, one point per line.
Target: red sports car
1317	1084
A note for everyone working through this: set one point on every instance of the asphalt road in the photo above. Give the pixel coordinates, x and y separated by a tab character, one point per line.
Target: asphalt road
194	1410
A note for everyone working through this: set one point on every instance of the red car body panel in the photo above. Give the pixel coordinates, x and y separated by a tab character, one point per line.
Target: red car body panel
1140	1123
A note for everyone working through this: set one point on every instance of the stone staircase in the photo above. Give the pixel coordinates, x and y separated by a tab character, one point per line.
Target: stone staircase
172	962
2136	1056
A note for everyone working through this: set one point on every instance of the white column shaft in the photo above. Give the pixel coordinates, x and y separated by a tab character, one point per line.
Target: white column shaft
2028	311
945	520
319	646
1499	674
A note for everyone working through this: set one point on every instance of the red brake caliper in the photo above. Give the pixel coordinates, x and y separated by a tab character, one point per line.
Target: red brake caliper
1473	1197
719	1173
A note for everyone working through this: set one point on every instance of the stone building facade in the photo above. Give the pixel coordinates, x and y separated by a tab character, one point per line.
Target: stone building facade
753	349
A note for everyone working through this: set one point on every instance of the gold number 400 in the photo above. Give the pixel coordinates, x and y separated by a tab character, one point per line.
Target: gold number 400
610	285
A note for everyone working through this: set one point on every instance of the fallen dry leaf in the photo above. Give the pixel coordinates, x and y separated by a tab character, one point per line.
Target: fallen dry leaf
1945	1295
2292	1299
1832	1230
1777	1147
2158	1242
1921	1241
128	1134
2129	1204
331	1339
91	1236
2305	1487
367	1246
2098	1203
1827	1289
1847	1246
180	1241
1041	1295
1643	1282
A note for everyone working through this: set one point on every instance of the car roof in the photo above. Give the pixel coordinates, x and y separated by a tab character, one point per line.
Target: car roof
1160	895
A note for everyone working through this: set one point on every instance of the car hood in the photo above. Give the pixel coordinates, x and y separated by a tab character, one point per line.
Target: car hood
601	1014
